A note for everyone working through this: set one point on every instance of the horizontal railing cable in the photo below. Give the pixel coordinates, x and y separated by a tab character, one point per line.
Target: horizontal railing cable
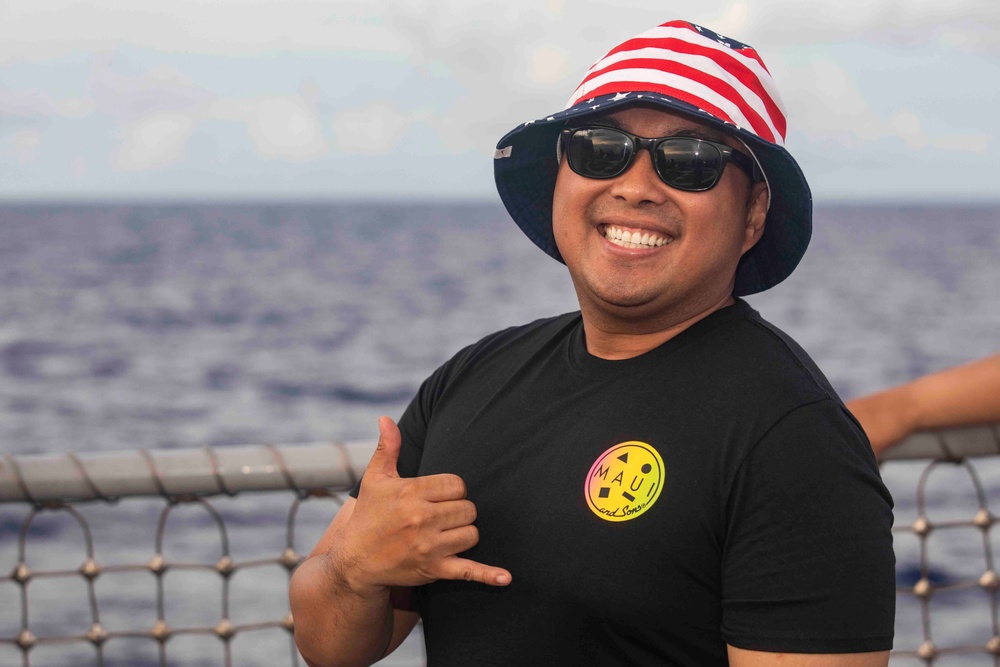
209	471
948	445
175	473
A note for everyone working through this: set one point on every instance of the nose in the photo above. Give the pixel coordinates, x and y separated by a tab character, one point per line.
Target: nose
640	185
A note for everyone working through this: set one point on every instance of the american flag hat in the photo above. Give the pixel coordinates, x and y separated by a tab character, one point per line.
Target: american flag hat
683	68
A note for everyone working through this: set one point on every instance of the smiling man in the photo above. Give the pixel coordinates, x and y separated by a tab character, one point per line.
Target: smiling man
648	260
662	478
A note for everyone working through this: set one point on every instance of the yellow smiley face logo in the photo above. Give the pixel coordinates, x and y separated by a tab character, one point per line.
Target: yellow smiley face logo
624	481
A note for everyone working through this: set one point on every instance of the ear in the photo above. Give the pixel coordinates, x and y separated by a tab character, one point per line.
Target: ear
756	214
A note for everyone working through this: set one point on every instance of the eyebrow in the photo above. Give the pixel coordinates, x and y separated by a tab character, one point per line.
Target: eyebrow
607	121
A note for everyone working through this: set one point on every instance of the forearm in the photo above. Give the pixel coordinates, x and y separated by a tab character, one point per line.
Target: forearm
967	394
744	658
959	396
336	626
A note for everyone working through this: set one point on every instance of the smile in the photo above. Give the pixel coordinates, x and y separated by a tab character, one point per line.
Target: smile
634	238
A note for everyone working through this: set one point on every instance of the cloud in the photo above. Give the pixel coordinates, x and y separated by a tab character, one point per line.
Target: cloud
30	103
549	64
372	130
127	97
34	104
531	52
79	167
469	72
23	144
155	140
963	143
279	127
968	38
968	25
732	20
39	30
508	68
286	128
824	103
158	111
822	100
907	126
108	92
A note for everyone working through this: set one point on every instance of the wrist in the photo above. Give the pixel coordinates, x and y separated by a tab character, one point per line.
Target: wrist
346	577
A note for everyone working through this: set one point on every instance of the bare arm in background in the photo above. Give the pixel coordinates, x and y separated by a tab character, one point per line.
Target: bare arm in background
398	534
743	658
964	395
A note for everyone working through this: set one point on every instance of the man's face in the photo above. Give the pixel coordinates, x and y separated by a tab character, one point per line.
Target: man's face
704	233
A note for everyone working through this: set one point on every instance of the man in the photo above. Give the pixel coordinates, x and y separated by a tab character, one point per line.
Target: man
662	478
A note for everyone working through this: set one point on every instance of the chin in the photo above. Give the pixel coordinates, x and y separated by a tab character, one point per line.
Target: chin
629	300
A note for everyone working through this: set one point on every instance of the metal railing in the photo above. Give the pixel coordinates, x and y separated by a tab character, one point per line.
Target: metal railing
65	485
58	483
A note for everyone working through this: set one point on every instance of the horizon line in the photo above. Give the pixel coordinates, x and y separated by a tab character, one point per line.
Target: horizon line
300	200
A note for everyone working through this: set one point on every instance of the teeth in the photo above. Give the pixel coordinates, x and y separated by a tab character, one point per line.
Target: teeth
628	239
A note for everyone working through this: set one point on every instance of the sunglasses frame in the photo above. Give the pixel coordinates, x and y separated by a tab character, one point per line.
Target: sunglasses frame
727	154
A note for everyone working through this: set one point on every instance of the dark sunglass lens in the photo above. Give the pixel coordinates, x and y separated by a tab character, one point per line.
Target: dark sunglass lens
688	164
598	152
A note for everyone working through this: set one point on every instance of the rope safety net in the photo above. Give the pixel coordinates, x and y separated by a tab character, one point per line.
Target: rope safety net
213	535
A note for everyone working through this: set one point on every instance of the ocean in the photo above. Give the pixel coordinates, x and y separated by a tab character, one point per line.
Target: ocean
184	325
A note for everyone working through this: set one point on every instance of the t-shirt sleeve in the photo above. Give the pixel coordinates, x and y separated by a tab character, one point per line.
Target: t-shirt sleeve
808	565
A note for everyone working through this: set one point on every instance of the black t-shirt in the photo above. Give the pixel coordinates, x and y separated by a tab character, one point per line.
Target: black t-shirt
713	490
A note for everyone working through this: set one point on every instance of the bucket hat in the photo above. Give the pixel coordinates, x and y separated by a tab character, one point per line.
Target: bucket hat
687	69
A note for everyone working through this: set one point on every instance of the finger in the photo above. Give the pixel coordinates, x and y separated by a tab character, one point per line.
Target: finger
441	487
386	456
456	540
452	514
469	570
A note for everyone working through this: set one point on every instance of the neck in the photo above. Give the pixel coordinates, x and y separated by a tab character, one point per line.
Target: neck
612	338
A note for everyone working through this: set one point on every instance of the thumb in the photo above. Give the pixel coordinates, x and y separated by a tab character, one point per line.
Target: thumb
386	454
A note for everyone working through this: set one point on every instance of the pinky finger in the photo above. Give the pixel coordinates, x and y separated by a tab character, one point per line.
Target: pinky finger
457	568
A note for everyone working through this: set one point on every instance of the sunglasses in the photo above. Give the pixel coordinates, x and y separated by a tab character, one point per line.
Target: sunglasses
684	163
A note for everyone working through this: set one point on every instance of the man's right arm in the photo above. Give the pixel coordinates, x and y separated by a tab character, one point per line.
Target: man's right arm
399	533
331	620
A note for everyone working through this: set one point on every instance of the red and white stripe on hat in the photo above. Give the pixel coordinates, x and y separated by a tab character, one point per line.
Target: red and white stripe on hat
681	60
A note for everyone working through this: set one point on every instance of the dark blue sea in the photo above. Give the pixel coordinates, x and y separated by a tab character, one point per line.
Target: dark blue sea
184	325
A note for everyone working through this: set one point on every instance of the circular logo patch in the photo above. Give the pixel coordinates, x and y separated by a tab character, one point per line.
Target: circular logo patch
624	481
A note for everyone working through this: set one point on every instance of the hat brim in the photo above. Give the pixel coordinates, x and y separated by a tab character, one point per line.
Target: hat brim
526	167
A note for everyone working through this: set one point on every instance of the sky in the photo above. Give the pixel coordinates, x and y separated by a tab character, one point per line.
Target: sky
887	100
